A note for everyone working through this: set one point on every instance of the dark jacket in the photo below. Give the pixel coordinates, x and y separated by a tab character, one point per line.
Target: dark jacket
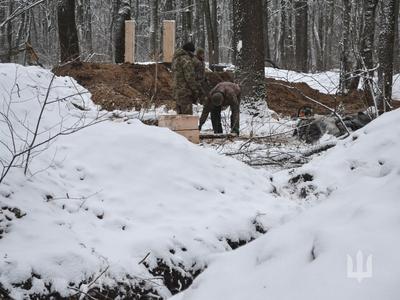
185	86
231	93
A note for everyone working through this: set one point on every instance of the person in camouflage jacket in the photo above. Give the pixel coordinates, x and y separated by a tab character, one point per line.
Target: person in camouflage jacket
186	88
200	73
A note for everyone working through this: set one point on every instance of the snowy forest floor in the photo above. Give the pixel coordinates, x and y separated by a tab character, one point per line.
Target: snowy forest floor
121	209
129	91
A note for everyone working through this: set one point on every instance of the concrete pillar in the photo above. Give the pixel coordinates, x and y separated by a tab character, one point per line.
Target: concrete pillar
168	40
130	27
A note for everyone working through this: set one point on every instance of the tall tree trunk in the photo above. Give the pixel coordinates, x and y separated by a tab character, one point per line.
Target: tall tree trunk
169	10
317	29
214	20
266	29
236	30
290	44
199	25
301	19
251	72
385	53
187	20
3	40
84	23
154	30
345	59
9	31
396	60
124	14
213	52
328	44
68	35
283	35
367	41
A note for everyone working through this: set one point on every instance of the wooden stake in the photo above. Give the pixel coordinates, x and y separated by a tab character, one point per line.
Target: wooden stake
168	40
130	27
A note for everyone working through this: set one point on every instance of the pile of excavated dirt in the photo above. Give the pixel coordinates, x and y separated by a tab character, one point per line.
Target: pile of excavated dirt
287	97
124	86
132	86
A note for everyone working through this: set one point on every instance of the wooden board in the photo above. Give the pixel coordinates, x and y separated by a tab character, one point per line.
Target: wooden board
192	135
130	27
179	122
168	40
186	125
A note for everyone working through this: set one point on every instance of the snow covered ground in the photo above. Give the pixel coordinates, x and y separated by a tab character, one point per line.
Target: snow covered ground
314	256
105	204
325	82
106	196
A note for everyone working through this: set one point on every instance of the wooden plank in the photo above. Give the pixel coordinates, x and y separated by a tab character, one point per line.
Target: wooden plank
130	27
168	40
179	122
192	135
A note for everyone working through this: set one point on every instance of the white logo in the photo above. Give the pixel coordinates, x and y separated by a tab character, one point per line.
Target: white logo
358	272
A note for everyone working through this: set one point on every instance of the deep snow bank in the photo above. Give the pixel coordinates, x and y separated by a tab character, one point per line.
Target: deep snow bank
106	196
307	258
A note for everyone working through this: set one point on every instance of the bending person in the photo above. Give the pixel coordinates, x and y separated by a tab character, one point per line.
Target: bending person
223	95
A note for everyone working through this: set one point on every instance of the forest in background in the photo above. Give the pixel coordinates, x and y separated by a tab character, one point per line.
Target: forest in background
313	27
357	37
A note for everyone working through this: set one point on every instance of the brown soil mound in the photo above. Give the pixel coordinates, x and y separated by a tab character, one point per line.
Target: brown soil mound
124	86
131	86
286	98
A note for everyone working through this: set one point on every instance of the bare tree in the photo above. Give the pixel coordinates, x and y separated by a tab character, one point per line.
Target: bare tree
154	29
212	31
367	42
385	53
67	32
124	13
84	21
345	57
301	20
251	56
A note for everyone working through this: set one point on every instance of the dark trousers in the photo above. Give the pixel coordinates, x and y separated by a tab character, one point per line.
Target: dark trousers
216	119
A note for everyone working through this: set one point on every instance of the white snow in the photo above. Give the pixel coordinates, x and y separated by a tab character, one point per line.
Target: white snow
106	196
325	82
360	185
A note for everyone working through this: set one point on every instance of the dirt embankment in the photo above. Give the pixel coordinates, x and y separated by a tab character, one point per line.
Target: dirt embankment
132	86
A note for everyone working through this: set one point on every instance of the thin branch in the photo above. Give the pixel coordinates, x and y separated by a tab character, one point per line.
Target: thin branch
19	12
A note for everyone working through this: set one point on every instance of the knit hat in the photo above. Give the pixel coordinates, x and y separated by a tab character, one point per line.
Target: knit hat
189	47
